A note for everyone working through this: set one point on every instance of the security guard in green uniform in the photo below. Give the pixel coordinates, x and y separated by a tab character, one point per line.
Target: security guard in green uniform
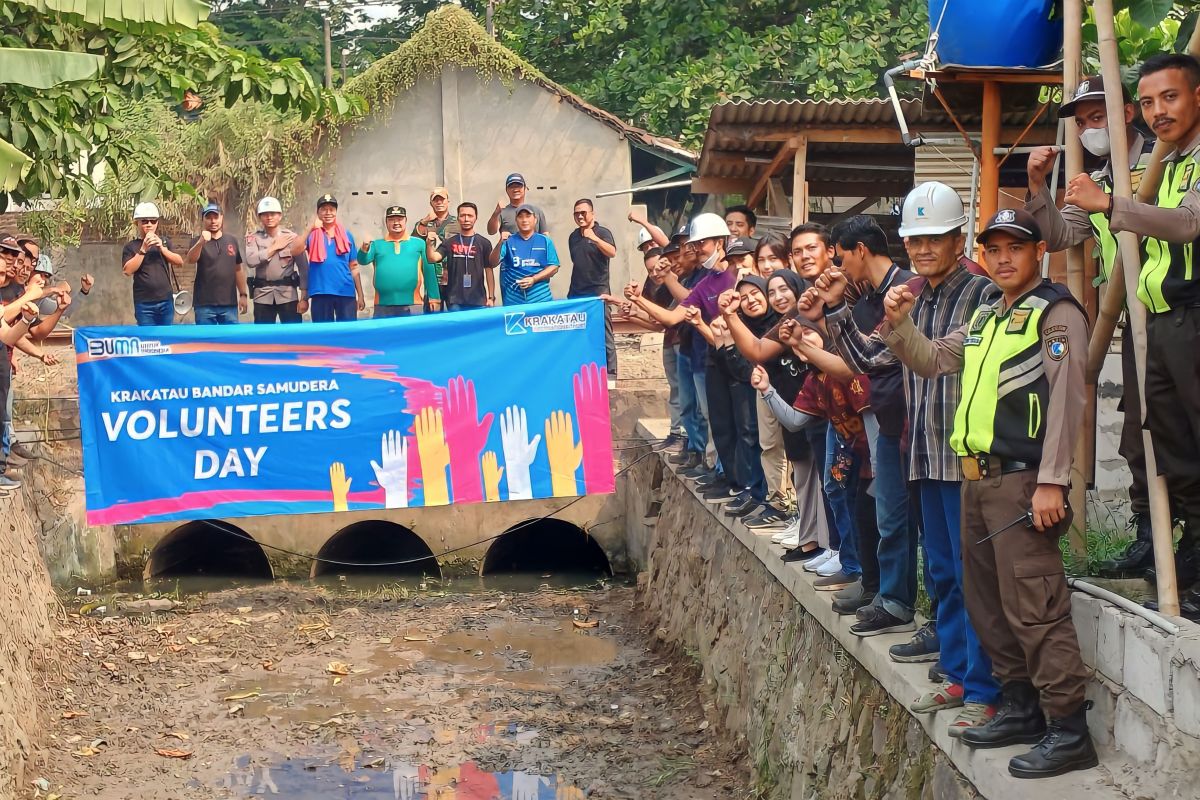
1071	226
1169	286
1022	364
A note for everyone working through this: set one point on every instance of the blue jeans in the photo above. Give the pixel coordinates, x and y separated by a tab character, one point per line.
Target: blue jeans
216	315
841	502
670	360
961	654
332	308
897	546
460	307
693	404
160	312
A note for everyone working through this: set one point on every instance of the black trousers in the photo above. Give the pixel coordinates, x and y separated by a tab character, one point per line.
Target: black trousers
1131	447
733	420
268	313
1173	405
868	536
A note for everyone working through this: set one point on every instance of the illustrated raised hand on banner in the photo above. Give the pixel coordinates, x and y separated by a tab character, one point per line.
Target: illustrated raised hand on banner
339	484
435	456
565	454
595	434
492	472
466	437
392	475
519	452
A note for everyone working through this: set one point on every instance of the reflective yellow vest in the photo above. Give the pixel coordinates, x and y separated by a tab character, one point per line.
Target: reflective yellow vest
1168	278
1106	240
1004	386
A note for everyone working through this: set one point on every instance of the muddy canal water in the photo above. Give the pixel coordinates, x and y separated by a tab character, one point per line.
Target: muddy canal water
306	692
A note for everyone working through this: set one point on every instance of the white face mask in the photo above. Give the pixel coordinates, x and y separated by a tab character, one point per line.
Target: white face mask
1095	141
711	261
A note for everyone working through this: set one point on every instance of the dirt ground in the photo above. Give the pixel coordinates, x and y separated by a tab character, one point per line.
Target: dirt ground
300	692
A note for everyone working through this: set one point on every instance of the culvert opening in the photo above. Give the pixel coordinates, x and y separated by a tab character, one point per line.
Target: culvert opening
212	548
546	546
376	541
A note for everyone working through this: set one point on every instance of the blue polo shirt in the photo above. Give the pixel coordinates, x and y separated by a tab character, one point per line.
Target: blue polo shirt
332	276
523	258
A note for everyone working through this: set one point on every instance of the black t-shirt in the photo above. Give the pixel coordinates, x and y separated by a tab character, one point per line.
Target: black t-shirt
152	281
589	267
887	383
216	272
10	292
465	259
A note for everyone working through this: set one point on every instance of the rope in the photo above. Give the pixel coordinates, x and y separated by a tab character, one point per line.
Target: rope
221	526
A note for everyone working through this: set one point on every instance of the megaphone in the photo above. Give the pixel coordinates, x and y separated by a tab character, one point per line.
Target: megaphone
182	301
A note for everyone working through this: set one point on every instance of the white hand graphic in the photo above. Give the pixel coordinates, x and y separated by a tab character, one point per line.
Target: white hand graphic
519	452
406	782
393	475
527	787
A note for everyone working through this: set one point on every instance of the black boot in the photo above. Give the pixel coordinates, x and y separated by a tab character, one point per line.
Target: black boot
1066	747
1185	569
1019	720
1138	556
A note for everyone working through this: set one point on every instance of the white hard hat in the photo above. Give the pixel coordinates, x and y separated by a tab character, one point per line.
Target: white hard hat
268	205
644	237
44	264
146	211
708	226
930	209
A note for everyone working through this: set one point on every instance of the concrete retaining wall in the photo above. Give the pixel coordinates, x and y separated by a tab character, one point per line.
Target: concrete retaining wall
801	687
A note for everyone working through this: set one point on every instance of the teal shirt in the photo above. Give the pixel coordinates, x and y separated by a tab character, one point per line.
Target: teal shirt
402	274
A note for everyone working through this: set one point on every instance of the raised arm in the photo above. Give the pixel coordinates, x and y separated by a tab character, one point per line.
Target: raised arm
926	357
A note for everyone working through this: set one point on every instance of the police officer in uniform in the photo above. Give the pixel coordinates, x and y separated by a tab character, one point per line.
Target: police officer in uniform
1022	361
1169	286
1071	226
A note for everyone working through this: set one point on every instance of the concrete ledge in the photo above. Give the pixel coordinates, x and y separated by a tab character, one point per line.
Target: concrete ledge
987	770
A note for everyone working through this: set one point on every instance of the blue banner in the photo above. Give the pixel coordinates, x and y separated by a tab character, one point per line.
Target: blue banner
194	422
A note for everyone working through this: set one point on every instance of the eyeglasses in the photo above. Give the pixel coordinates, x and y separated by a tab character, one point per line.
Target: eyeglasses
147	222
581	213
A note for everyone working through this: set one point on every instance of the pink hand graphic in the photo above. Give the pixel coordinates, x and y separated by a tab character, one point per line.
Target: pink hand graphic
595	430
466	437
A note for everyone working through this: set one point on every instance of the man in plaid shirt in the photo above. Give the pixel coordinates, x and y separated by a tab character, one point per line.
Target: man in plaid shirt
947	294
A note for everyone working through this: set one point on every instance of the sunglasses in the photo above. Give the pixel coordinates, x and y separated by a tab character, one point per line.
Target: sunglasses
147	222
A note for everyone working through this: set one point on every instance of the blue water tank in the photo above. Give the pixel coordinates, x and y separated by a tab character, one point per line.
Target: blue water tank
997	33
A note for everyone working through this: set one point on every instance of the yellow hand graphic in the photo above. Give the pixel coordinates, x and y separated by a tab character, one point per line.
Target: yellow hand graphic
340	484
565	455
435	456
492	472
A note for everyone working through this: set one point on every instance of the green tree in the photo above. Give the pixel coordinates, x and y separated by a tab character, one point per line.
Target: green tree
663	64
65	131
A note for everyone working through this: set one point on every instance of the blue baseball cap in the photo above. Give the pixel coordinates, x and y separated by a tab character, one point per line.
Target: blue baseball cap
211	208
515	177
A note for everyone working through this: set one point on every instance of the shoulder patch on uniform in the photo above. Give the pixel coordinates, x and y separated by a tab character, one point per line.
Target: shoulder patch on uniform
981	319
1018	320
1055	329
1056	346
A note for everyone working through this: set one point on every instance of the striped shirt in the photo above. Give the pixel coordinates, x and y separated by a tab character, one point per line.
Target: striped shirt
931	402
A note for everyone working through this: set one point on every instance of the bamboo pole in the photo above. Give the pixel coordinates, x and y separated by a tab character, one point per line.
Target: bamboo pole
1113	299
1072	59
1160	514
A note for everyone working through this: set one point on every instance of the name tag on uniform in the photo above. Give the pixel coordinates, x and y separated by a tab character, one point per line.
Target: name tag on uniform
972	340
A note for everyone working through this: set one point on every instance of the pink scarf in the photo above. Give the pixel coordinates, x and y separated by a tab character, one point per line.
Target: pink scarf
316	242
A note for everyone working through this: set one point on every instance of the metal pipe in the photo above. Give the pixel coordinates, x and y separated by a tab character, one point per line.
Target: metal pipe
1125	604
889	81
1028	148
973	209
651	188
1127	241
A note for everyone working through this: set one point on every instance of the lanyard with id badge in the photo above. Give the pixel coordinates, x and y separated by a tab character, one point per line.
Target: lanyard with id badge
467	252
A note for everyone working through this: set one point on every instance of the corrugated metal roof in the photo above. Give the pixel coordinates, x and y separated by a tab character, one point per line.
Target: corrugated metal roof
869	111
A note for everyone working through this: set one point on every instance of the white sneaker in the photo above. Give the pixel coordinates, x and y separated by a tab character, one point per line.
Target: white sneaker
813	564
831	567
790	532
791	541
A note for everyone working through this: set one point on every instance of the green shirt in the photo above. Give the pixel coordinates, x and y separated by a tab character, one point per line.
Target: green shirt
402	275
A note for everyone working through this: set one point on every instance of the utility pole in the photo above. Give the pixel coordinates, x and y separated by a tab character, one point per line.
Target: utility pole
491	13
328	53
344	51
